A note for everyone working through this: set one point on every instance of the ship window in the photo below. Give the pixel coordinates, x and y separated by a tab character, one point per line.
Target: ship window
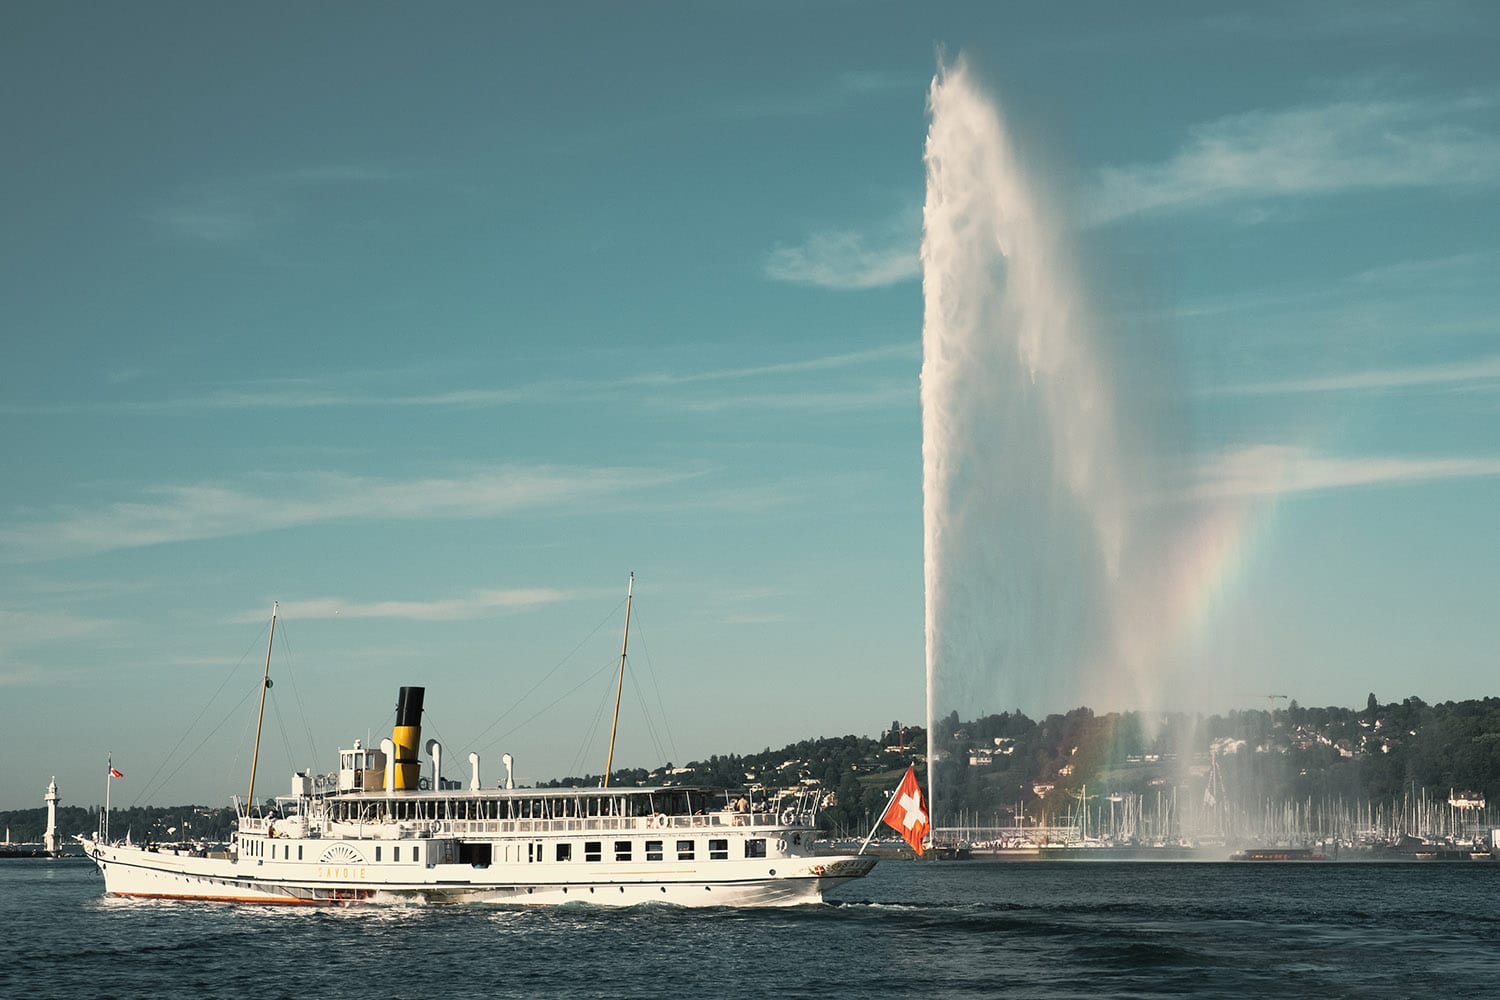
755	847
593	850
565	852
718	850
477	855
395	854
653	850
377	853
622	850
416	853
685	850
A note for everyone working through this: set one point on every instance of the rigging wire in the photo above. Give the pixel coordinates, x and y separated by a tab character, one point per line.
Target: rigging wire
586	748
211	734
660	704
280	724
532	690
286	658
245	738
542	711
635	685
150	784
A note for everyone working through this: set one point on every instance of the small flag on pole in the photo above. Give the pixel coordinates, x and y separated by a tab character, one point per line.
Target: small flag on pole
907	813
114	773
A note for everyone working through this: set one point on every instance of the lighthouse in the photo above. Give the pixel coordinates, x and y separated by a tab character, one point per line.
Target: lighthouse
49	841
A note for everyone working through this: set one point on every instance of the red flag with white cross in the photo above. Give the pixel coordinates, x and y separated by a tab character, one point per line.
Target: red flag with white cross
907	813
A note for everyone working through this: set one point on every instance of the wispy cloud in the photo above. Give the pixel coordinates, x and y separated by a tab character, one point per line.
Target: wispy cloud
478	604
824	363
1403	278
24	675
192	512
827	96
1461	267
29	627
1341	146
319	394
848	259
884	395
1213	25
237	209
1279	470
1460	374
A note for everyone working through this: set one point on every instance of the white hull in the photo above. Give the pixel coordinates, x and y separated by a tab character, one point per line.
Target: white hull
786	881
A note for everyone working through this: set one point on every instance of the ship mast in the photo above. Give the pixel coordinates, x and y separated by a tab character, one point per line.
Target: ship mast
265	682
620	684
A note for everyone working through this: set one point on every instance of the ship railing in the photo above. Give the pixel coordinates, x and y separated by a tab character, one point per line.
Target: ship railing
410	828
600	824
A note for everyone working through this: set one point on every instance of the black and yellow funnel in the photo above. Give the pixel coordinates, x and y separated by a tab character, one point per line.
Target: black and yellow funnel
407	735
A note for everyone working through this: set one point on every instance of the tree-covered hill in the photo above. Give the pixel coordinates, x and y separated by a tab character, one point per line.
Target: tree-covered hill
1000	768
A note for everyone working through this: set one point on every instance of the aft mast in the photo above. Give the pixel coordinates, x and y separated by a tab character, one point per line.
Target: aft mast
620	684
265	682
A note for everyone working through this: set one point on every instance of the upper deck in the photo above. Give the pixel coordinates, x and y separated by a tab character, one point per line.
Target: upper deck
499	812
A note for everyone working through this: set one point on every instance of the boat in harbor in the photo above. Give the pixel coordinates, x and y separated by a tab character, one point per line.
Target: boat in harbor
1278	854
378	830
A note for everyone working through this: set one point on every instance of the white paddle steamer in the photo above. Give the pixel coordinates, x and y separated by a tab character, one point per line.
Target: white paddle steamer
370	832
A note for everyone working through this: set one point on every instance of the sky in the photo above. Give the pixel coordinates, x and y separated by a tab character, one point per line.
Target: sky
434	324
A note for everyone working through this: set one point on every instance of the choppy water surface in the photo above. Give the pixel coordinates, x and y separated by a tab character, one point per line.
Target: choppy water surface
923	930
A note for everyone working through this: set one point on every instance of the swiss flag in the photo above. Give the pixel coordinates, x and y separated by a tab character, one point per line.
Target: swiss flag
113	773
907	813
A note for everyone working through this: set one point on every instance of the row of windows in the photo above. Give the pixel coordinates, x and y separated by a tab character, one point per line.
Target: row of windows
257	849
593	850
655	850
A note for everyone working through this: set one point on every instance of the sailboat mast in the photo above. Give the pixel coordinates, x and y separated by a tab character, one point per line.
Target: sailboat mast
265	682
619	684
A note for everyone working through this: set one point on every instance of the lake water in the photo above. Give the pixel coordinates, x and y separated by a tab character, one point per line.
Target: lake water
1030	929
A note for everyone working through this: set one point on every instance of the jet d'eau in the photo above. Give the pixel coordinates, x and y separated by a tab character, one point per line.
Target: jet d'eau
1066	550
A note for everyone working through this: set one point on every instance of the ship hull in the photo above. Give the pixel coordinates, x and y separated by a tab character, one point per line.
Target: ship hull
131	871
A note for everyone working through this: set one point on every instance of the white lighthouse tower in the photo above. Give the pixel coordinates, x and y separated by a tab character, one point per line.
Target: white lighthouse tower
49	840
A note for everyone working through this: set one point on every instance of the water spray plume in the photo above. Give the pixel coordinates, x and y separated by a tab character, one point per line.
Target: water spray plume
1046	573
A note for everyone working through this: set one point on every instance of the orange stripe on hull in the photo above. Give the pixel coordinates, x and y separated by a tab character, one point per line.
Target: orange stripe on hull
286	901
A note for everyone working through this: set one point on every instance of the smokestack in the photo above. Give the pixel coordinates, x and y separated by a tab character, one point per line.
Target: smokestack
407	735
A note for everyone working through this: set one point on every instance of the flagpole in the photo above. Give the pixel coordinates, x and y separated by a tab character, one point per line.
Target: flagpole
109	778
890	797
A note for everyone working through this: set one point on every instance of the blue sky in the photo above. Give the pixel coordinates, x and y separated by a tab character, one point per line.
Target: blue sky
434	324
